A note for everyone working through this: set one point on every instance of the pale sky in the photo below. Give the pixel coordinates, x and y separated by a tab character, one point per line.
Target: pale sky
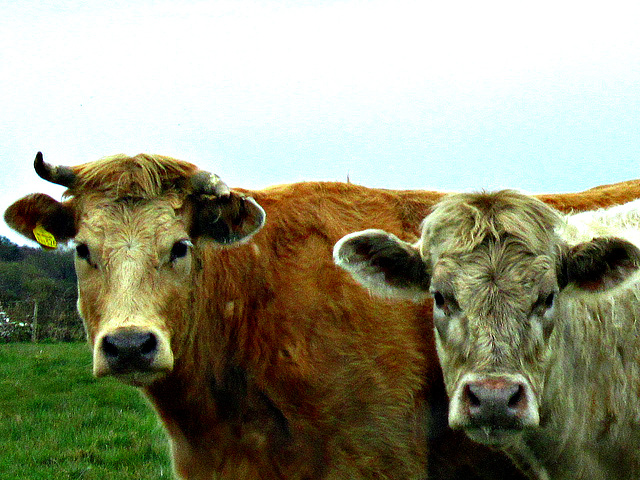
542	96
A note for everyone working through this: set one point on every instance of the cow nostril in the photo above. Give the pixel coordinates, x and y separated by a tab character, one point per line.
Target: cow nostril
149	345
517	397
473	400
109	347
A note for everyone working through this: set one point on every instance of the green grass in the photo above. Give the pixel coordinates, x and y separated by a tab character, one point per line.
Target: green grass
58	422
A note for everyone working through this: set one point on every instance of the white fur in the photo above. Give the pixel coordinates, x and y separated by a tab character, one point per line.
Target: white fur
621	221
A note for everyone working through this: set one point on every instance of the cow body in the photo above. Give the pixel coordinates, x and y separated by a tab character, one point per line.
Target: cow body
291	374
261	358
536	320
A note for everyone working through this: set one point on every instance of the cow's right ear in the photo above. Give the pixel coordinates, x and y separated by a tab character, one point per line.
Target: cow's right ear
227	219
384	264
54	221
599	265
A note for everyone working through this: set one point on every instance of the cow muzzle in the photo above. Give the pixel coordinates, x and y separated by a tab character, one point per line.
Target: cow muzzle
134	355
493	409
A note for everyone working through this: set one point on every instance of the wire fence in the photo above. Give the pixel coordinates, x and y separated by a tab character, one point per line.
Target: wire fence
36	321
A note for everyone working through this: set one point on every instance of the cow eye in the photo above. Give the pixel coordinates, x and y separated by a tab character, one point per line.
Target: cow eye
446	303
82	251
548	301
544	303
180	249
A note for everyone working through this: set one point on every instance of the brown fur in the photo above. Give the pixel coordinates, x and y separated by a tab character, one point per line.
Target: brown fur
144	176
596	197
284	368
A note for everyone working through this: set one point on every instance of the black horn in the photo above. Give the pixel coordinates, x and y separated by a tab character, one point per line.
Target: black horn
205	183
54	173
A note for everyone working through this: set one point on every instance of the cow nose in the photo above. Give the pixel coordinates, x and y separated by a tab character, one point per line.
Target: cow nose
497	402
127	350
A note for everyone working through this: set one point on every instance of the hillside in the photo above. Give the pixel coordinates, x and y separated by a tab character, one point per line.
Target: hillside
37	294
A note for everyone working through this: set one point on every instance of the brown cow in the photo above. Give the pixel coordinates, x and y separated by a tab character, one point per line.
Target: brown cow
262	359
537	325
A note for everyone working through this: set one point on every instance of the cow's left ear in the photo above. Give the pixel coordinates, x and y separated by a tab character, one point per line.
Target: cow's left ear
383	263
599	264
227	219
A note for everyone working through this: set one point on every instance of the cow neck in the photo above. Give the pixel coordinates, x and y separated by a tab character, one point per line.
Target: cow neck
210	382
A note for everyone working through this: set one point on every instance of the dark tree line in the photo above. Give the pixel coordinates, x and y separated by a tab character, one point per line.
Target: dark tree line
37	294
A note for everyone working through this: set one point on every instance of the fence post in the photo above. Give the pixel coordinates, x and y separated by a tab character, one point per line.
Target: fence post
34	322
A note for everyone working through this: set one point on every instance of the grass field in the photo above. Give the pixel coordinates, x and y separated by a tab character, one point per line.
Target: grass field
58	422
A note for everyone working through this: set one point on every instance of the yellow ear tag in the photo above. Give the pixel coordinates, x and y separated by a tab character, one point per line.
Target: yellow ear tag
44	238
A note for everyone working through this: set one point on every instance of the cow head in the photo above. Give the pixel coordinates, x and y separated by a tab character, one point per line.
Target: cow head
495	266
134	222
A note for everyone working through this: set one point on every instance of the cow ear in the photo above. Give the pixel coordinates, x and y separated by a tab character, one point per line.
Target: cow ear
227	219
383	263
40	218
600	264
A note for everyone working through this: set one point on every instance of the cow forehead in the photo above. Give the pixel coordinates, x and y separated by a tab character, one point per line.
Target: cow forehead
463	222
108	221
495	292
496	262
495	276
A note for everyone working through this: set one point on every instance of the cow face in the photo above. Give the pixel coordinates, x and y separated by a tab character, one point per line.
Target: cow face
495	268
134	233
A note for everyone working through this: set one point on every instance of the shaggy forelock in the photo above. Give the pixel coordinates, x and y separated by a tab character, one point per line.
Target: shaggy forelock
461	222
143	176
